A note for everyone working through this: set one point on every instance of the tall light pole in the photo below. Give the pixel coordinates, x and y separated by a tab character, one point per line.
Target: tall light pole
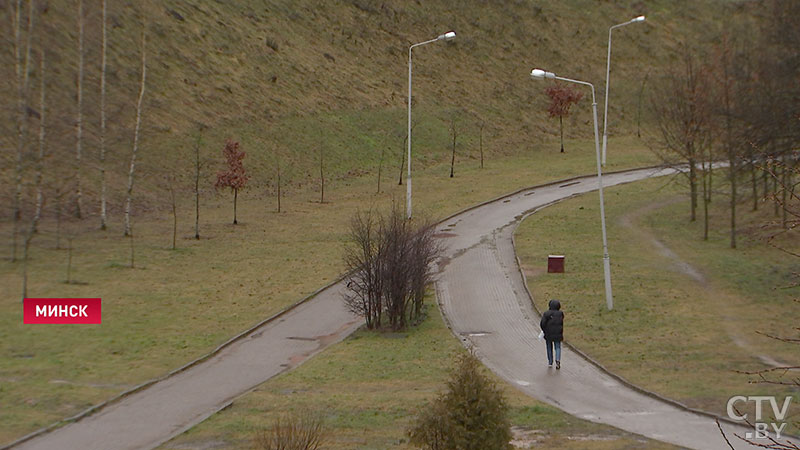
608	72
540	74
450	35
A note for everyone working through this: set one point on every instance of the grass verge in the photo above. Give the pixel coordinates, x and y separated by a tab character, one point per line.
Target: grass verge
686	311
369	388
178	305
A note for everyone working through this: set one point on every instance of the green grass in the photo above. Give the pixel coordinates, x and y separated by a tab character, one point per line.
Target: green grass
668	332
214	69
368	389
178	305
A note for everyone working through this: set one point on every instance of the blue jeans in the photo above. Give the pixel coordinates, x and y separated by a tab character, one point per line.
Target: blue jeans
550	344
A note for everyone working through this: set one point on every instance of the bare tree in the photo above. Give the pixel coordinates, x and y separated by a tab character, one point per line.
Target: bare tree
787	198
40	157
22	70
104	45
639	108
321	175
197	167
480	140
69	259
680	120
389	260
425	249
731	80
128	231
278	183
171	184
453	157
38	183
79	118
363	259
60	191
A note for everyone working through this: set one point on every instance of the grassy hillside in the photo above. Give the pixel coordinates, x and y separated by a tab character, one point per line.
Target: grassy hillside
258	72
291	79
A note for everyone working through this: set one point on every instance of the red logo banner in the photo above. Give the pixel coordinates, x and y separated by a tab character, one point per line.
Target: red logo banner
80	311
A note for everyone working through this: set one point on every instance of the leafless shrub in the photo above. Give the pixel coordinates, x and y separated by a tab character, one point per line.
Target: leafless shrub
389	260
301	431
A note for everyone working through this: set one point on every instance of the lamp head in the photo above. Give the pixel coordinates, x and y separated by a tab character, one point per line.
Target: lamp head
539	74
638	19
449	36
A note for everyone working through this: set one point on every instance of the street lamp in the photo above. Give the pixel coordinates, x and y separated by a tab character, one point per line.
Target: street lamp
608	71
540	74
449	36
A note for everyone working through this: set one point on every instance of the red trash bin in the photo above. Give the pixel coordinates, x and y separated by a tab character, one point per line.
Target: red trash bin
555	263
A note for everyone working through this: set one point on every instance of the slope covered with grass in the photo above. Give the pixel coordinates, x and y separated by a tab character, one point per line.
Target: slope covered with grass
289	80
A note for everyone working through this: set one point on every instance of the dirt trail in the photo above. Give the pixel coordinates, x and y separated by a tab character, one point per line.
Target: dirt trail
630	221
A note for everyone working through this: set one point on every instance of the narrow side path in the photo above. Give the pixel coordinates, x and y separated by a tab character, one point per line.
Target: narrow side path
630	221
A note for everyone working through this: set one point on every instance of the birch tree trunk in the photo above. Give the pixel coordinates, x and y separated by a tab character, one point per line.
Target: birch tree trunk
22	92
40	157
20	124
136	138
79	121
39	161
197	188
103	224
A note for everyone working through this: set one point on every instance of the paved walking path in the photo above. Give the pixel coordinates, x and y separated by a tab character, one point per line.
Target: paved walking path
166	409
483	298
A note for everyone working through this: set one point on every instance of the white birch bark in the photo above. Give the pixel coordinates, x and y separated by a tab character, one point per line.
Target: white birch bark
22	72
79	121
40	157
103	124
136	138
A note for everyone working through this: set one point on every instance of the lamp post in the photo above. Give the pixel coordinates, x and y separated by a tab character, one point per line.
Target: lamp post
540	74
450	35
608	72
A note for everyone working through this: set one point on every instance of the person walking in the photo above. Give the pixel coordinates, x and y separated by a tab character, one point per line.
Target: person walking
552	324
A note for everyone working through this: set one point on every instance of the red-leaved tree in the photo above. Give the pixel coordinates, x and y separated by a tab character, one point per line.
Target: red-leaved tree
235	177
562	97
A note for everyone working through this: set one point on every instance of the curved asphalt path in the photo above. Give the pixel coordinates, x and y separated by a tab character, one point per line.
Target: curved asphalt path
484	300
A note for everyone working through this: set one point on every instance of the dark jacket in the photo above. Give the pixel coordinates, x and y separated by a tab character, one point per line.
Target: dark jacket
553	322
